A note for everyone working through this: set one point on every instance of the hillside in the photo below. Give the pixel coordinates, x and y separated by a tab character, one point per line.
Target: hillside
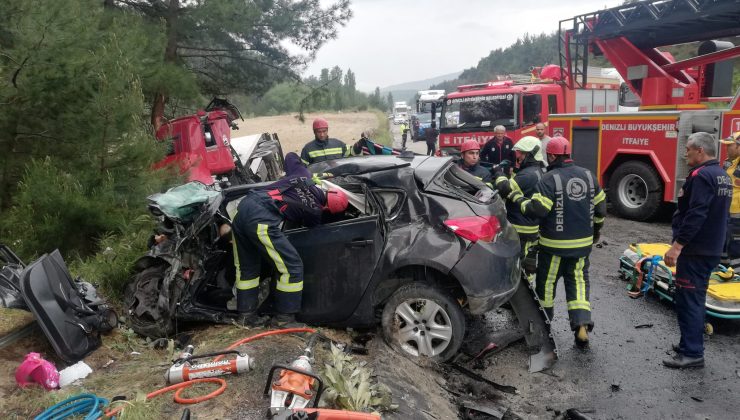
406	91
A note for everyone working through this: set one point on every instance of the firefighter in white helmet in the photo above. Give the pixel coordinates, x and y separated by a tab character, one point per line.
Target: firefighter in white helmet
529	170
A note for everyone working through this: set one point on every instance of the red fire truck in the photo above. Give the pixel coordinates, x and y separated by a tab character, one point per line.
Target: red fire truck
473	111
639	156
200	145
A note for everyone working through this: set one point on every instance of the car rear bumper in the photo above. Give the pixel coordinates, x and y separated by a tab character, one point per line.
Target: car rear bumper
489	274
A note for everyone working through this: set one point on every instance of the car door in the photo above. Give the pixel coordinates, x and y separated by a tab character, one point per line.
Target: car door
338	262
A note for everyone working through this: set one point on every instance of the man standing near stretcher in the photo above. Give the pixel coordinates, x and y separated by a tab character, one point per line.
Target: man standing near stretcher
699	226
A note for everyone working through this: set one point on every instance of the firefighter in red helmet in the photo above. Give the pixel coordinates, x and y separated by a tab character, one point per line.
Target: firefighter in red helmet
258	236
571	208
322	147
470	161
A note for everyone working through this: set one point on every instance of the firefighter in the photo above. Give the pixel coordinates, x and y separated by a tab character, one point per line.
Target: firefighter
404	134
258	236
530	169
322	147
571	207
499	149
470	161
699	226
731	252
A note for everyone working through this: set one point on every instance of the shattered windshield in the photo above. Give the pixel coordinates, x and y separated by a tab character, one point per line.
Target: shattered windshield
479	111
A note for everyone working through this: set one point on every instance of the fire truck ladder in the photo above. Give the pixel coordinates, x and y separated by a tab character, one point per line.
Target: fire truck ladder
628	36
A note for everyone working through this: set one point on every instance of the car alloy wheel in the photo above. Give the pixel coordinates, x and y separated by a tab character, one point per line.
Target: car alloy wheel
422	321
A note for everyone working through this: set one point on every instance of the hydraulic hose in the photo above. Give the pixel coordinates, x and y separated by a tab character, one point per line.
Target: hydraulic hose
181	386
89	405
263	335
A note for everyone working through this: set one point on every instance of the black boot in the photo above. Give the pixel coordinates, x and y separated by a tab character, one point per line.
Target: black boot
252	319
284	321
680	361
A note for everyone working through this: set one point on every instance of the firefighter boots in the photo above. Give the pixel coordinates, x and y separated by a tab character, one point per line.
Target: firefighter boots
581	334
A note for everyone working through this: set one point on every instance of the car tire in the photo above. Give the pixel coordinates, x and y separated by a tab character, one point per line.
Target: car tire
635	191
420	320
140	303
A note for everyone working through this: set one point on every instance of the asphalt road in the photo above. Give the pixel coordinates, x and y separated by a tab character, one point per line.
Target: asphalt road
621	375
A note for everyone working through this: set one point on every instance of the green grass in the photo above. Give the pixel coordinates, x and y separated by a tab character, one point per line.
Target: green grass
382	133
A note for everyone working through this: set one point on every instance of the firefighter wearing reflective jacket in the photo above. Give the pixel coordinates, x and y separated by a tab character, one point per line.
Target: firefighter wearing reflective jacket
571	207
470	161
322	147
258	236
530	169
731	251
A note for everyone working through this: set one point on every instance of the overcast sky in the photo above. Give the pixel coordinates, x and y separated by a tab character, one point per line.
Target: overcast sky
388	42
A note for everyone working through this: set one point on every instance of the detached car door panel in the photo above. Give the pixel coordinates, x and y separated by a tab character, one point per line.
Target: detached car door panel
338	263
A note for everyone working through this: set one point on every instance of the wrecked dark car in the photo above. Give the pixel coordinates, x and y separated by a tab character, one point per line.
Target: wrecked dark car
422	242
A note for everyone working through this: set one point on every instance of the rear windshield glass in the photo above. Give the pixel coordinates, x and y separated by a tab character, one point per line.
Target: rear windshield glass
461	183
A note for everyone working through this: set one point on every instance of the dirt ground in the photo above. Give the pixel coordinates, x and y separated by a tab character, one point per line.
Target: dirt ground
294	134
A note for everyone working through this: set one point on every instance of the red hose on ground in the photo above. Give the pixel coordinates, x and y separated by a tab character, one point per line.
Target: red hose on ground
181	386
265	334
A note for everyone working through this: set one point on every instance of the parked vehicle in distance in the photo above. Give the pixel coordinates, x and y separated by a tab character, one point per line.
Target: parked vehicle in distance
389	260
400	112
420	123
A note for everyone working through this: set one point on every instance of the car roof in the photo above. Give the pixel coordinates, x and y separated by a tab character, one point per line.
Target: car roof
424	167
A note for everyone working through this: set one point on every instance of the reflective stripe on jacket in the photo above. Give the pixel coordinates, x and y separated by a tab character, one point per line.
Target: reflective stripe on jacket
525	182
319	151
571	205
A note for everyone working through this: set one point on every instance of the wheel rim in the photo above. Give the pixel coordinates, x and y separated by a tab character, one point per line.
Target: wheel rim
633	191
424	327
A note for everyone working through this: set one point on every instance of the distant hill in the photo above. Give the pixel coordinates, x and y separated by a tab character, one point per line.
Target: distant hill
406	91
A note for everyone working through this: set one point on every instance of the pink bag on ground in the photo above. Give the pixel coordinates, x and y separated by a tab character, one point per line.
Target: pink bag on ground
35	369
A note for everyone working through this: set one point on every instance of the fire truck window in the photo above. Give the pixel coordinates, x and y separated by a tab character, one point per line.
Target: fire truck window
210	139
552	104
532	109
171	144
479	111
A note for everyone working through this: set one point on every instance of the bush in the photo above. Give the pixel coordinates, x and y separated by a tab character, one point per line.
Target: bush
110	268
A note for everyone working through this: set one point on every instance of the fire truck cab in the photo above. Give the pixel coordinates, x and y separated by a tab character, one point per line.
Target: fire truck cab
639	156
474	110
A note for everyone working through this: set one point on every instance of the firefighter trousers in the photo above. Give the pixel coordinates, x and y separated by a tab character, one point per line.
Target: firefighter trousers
731	253
258	236
574	271
692	280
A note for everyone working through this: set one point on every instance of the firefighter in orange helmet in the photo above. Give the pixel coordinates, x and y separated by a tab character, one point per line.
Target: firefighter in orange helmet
470	161
322	147
571	208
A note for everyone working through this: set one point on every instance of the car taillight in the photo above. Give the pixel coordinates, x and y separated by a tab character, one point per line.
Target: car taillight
475	228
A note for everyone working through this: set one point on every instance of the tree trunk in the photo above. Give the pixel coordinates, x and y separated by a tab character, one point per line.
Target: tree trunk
170	56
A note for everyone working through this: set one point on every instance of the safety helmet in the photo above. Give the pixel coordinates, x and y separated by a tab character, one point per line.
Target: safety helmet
530	144
336	200
558	146
469	145
527	144
320	123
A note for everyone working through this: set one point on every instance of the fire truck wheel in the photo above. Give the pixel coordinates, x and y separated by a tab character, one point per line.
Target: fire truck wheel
635	191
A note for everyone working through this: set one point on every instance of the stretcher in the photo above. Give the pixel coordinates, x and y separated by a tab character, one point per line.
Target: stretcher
643	267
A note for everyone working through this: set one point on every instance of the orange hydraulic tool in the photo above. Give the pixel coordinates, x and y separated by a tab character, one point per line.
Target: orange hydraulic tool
294	388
